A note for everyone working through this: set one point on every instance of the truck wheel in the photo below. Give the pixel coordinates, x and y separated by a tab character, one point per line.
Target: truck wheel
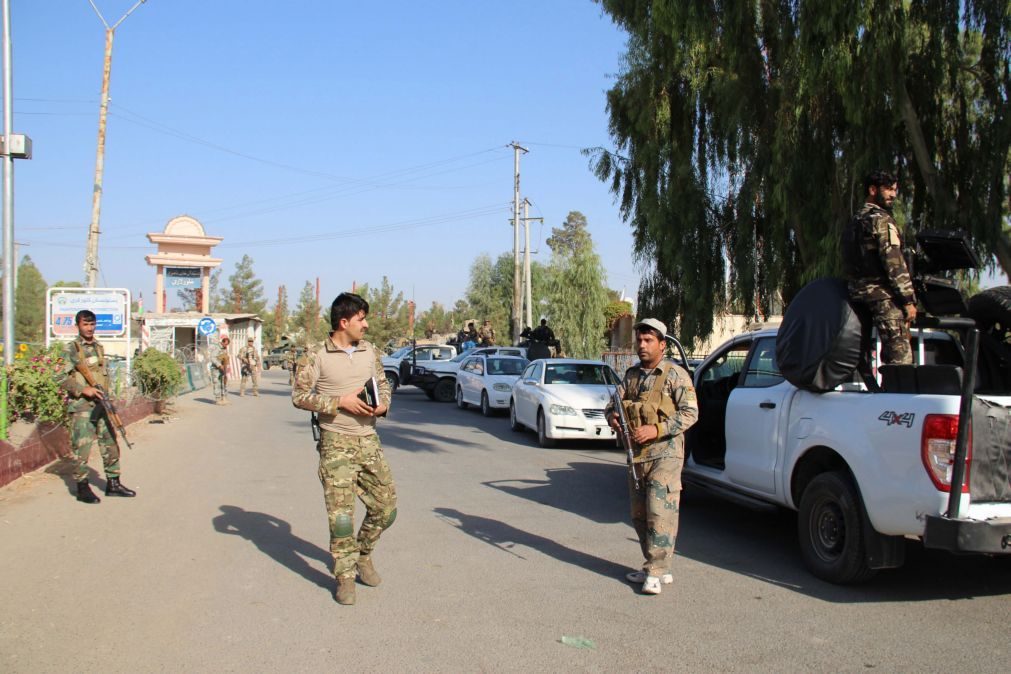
992	310
266	366
542	432
830	528
393	381
443	390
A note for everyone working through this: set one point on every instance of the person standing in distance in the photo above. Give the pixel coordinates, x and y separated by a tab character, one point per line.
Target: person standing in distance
249	359
221	367
351	458
88	422
875	270
660	405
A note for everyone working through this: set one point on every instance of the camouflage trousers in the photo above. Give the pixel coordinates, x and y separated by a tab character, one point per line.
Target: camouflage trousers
893	332
352	466
220	384
85	428
246	377
655	507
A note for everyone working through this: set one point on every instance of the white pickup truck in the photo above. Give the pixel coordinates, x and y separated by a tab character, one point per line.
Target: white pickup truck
864	470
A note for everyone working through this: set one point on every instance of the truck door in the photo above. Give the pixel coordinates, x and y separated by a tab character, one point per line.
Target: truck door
754	411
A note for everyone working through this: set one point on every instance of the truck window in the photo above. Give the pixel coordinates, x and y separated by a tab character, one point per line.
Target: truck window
762	370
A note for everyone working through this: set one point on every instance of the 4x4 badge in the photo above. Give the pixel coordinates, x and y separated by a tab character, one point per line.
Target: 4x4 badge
896	419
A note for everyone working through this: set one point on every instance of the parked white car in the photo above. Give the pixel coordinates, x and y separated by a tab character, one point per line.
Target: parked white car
438	378
487	381
563	399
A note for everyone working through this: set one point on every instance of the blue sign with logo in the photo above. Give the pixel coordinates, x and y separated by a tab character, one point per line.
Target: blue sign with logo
207	326
108	323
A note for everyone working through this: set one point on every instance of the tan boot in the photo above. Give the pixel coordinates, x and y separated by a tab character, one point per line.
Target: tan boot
345	593
367	572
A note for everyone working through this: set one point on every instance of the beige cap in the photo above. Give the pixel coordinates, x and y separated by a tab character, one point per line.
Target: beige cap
653	324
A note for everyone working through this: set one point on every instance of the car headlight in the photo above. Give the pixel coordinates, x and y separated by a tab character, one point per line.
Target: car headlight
561	409
505	388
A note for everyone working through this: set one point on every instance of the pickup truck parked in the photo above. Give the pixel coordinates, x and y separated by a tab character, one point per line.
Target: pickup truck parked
864	469
395	367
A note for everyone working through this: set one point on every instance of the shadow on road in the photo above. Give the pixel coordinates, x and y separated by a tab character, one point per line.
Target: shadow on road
596	491
507	538
273	537
764	545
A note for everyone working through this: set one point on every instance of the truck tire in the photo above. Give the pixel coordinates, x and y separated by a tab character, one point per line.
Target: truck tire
991	310
266	366
392	380
830	529
443	391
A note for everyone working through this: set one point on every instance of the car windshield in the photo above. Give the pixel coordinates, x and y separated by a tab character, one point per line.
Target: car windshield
512	366
401	352
576	373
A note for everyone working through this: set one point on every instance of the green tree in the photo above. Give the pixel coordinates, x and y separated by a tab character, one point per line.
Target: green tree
743	130
29	303
277	325
436	319
388	313
489	292
578	295
308	318
245	292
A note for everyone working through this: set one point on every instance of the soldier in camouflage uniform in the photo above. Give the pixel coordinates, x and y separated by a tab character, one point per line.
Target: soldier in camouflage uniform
351	458
660	405
88	421
221	367
875	270
487	334
249	364
289	362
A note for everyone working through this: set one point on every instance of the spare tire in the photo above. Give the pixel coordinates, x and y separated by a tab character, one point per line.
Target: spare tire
991	309
819	342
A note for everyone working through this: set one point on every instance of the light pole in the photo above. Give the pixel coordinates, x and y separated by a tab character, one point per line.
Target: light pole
91	256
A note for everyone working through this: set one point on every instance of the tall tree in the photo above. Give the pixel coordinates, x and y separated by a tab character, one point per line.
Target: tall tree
308	318
388	313
277	325
578	294
245	292
29	303
743	130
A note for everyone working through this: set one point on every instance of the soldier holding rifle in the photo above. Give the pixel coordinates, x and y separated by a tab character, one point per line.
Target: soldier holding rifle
86	380
659	405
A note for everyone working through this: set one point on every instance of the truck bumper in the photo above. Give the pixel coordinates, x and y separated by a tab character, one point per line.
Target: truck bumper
980	536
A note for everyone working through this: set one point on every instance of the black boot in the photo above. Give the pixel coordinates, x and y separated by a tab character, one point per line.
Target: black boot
113	487
84	493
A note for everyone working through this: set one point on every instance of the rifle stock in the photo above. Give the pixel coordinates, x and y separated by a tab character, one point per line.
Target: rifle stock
623	433
111	415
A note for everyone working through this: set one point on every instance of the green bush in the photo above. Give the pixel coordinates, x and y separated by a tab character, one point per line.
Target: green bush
157	374
34	394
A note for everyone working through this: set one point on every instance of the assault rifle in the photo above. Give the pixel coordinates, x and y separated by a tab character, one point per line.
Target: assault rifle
624	434
111	415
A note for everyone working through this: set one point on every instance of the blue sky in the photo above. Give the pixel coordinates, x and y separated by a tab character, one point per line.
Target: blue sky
341	140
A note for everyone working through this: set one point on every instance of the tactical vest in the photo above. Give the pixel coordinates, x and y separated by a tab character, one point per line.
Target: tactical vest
648	407
96	364
861	259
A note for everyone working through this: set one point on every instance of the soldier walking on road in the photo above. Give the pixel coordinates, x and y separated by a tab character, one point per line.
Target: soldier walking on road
220	372
660	404
351	460
88	419
875	270
249	365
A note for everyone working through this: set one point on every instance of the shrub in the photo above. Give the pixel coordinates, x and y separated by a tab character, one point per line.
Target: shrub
34	394
157	374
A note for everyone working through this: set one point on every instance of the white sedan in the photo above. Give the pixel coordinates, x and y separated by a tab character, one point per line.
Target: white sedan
563	399
487	381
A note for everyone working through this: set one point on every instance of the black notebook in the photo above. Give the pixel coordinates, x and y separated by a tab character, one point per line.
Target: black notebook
370	393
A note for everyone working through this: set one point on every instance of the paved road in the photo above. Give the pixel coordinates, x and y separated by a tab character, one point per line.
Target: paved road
500	549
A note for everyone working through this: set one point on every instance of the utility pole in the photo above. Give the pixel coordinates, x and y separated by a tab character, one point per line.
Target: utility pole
517	295
91	256
528	301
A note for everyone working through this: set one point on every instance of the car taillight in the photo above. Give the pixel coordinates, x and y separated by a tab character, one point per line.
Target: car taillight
937	448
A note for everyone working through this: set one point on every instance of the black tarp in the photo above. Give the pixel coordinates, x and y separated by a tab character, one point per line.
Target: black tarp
818	346
989	478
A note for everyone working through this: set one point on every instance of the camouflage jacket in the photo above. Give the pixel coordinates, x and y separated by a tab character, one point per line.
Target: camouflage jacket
72	381
331	372
872	258
679	390
249	357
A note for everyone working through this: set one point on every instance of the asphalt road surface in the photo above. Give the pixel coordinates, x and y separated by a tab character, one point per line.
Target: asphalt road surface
500	550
